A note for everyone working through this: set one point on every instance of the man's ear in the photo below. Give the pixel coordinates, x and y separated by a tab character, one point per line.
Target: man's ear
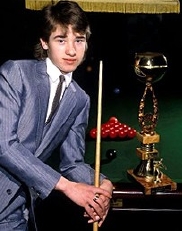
44	44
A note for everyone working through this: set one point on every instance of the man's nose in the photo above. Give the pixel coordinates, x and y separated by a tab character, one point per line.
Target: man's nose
70	49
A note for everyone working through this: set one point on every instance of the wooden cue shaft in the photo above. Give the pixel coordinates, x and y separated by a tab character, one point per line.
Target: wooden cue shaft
98	138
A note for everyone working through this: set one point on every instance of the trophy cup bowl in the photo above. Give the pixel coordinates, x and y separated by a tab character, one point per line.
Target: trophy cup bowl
150	66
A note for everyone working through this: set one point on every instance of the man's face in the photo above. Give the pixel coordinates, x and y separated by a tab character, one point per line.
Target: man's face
66	49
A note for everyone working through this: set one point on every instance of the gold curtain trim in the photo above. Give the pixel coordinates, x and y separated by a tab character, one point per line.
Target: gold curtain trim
117	6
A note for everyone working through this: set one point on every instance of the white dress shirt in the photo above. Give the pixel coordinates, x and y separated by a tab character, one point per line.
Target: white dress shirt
54	74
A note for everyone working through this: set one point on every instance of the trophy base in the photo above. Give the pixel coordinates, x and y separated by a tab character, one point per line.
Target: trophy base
151	187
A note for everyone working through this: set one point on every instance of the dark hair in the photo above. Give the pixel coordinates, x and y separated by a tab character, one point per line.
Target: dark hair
62	13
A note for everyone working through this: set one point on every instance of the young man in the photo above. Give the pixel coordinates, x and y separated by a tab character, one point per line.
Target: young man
29	136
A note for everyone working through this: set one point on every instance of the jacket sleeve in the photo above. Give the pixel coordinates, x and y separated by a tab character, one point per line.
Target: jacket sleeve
16	152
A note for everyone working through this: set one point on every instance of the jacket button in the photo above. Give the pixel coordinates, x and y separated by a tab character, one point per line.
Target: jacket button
9	191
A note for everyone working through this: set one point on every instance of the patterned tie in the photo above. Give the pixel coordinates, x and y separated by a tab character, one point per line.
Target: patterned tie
56	99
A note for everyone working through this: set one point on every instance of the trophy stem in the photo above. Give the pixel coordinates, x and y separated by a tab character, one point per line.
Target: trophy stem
148	121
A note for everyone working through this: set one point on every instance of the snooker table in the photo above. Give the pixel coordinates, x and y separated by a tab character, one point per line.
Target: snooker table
125	108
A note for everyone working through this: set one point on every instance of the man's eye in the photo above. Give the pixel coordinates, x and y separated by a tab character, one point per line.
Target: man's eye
80	40
61	41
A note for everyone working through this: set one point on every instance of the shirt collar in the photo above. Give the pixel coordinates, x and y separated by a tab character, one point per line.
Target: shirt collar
54	72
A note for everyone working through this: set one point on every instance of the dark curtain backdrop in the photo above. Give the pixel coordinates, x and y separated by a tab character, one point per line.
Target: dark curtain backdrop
116	37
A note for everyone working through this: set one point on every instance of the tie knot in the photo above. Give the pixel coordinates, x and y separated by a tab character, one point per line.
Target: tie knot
61	78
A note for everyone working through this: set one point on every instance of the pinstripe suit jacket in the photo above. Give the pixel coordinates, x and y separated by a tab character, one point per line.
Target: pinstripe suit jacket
26	141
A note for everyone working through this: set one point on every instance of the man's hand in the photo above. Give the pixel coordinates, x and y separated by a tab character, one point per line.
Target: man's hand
102	200
95	200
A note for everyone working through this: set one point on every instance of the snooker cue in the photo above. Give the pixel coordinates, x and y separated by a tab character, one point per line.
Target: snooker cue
98	137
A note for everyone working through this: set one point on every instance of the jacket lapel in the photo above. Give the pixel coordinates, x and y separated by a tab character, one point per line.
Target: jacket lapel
42	92
64	111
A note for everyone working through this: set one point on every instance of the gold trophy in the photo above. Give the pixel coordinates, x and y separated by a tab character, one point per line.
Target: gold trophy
150	67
